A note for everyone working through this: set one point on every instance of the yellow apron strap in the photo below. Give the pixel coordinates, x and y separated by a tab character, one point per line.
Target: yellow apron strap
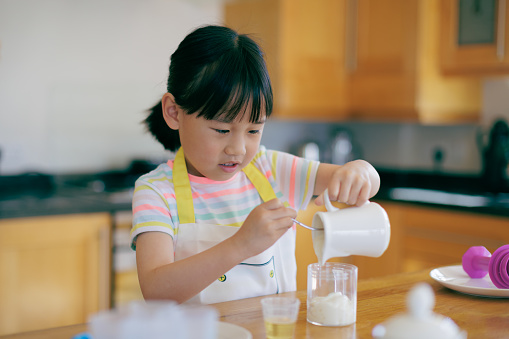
260	182
183	193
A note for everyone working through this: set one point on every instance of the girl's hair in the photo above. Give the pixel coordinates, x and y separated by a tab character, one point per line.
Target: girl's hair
214	72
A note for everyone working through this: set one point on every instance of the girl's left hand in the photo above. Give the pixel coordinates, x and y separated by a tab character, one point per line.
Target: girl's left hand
353	183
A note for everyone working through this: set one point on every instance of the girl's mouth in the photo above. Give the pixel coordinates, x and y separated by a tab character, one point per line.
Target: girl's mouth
229	167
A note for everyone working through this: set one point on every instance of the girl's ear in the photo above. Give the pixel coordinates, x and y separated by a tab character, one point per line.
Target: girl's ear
170	111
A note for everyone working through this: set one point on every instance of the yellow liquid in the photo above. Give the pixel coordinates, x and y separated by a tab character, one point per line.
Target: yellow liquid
279	328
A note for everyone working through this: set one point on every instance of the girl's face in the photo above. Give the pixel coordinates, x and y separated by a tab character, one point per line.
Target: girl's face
217	149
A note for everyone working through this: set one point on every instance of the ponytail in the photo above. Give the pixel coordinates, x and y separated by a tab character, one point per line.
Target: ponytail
157	126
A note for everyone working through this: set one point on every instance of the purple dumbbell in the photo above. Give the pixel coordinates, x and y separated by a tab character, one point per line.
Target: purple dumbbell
478	261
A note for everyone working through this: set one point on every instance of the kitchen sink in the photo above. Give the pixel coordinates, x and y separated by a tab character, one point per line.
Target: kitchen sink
439	197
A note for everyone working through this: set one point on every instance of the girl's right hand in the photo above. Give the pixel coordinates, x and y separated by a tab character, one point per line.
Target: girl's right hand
263	227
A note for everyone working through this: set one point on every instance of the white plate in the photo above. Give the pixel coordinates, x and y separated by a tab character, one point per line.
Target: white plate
455	278
232	331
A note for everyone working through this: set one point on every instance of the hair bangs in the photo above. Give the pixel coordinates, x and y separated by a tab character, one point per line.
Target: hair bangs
230	86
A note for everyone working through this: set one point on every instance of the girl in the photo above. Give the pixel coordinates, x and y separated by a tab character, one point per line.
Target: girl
215	223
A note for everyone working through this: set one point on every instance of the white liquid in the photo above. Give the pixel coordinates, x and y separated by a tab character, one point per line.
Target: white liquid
318	241
335	309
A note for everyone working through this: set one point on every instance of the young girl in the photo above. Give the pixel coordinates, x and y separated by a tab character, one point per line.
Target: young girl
215	223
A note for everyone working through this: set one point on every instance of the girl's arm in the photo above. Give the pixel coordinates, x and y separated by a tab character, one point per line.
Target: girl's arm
161	277
353	183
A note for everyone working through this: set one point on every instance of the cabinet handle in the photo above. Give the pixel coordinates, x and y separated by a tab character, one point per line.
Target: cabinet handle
501	29
351	35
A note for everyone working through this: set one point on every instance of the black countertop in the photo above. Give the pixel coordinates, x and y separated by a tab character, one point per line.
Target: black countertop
467	193
36	194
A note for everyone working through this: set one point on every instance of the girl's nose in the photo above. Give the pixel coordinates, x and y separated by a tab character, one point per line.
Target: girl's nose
237	146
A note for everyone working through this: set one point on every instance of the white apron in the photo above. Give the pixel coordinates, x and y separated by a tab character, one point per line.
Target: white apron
272	271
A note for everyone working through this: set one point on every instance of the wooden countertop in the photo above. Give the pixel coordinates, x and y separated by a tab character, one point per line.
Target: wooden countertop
378	299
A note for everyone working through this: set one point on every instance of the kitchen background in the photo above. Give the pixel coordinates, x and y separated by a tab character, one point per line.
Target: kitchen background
75	80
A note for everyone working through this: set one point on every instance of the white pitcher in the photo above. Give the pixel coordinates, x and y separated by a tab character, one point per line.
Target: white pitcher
363	230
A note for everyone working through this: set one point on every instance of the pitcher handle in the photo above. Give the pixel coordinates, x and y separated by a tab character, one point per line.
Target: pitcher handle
328	204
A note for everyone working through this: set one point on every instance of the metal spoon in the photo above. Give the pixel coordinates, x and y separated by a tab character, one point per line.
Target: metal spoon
306	226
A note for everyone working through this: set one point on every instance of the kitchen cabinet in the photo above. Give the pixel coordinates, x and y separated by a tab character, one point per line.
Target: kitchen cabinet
357	59
54	270
396	72
433	237
475	36
422	237
304	45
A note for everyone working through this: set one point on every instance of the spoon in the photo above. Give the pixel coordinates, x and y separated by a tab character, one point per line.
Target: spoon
306	226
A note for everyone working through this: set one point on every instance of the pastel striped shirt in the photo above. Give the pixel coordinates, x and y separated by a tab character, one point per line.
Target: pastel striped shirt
220	202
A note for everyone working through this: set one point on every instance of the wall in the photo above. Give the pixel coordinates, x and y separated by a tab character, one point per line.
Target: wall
495	100
77	76
403	146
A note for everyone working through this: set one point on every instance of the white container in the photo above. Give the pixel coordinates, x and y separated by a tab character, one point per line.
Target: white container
420	322
363	230
156	320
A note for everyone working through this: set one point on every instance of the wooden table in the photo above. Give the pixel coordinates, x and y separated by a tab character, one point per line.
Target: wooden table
378	299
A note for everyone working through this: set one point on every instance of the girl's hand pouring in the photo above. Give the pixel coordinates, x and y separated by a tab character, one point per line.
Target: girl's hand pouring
352	183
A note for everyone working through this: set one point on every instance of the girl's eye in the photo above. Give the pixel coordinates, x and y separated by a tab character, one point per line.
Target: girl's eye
255	131
222	131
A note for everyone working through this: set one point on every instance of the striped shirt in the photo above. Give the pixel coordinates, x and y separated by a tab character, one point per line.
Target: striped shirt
220	202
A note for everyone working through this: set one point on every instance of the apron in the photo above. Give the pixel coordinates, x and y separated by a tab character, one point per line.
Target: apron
270	272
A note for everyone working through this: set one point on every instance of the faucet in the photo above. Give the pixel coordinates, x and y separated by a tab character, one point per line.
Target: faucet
496	157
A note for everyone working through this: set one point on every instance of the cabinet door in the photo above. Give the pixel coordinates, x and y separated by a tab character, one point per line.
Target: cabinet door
436	237
304	48
313	80
54	271
384	76
475	36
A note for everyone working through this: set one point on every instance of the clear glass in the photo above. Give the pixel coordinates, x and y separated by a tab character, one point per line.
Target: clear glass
280	316
332	294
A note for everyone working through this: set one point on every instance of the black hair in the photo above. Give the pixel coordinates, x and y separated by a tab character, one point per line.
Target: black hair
214	72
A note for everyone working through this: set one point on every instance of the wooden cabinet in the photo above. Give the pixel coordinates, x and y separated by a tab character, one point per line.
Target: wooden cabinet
357	59
434	237
304	44
475	37
54	271
397	73
421	238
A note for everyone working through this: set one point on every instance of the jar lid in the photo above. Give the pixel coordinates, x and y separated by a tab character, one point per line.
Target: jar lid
420	322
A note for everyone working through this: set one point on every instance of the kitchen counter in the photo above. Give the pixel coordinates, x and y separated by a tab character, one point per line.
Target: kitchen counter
453	192
38	194
378	300
65	202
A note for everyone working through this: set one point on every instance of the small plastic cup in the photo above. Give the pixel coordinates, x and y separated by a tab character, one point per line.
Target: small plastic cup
332	294
280	316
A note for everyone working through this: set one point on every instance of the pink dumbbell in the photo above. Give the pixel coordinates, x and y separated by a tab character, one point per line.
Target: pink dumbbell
478	261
